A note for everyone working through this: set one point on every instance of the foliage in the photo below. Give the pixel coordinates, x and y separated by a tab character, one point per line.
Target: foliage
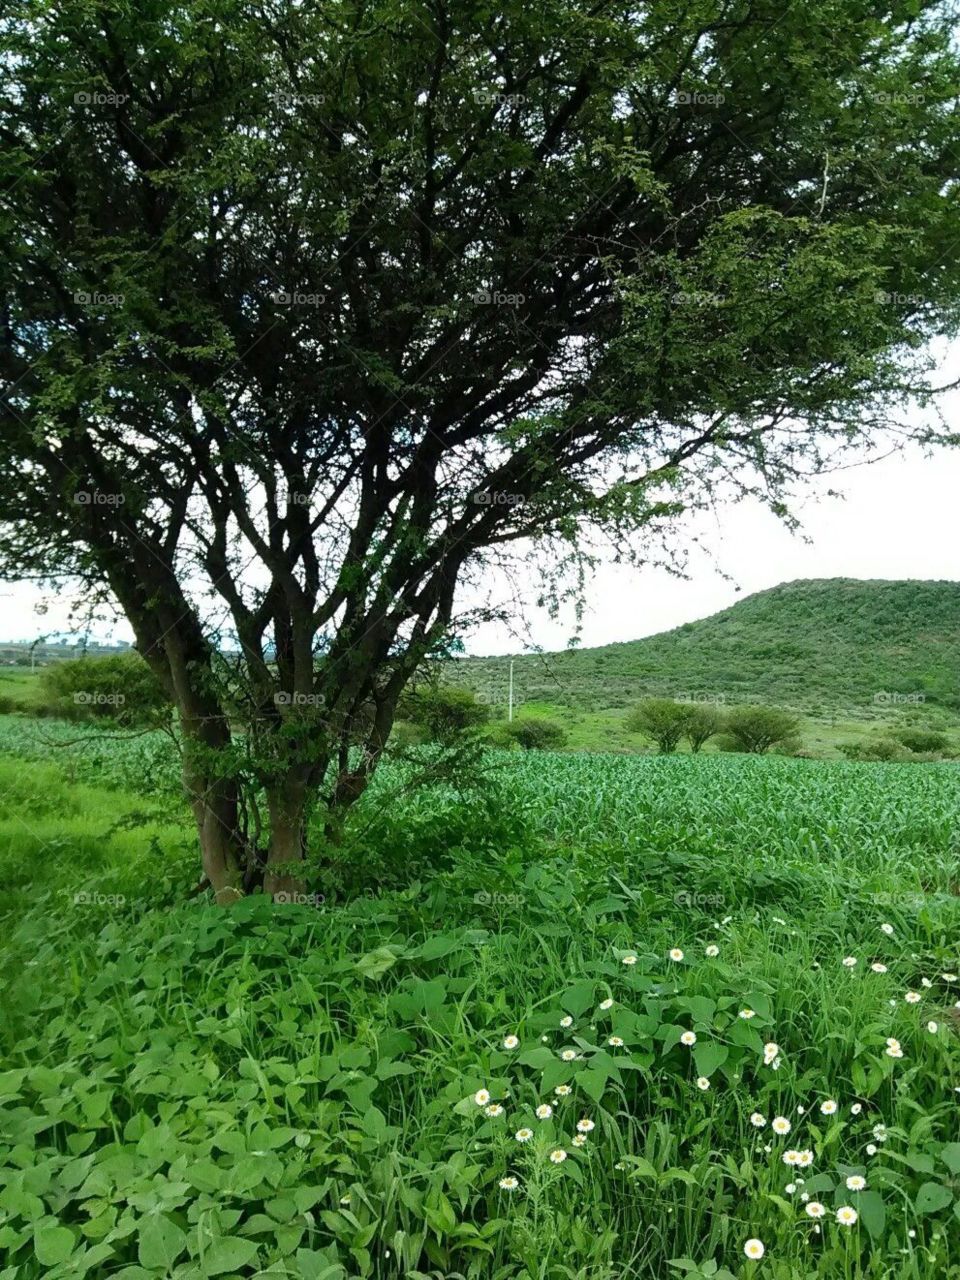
120	687
535	733
702	722
662	720
310	311
923	740
294	1090
881	649
445	712
757	729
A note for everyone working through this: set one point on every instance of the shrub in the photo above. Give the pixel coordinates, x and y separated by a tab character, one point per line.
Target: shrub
536	734
445	712
701	724
661	719
118	687
922	741
757	729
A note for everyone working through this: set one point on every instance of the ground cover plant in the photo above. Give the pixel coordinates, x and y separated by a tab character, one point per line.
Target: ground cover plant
571	1047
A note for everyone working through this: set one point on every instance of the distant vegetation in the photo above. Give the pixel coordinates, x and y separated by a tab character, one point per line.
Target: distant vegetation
817	645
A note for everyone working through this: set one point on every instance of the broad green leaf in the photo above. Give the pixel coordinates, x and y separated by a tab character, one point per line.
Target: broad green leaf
160	1242
52	1244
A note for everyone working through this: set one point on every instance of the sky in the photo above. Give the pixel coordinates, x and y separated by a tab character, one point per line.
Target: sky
898	519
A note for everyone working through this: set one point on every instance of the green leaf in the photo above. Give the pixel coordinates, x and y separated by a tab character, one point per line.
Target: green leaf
52	1244
578	998
227	1254
873	1213
709	1057
376	963
161	1242
950	1155
932	1197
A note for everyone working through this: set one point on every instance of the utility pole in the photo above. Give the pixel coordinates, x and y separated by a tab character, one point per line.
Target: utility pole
510	704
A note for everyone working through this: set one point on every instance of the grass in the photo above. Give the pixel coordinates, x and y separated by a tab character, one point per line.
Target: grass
293	1091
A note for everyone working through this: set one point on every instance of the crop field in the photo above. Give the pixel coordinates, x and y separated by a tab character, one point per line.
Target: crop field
595	1016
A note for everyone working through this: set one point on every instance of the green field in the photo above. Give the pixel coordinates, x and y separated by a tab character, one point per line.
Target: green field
291	1090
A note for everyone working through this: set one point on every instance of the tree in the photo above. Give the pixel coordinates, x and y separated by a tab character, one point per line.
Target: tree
702	722
313	311
120	687
757	729
536	733
447	713
661	719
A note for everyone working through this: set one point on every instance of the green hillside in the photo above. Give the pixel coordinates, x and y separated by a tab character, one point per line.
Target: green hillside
816	644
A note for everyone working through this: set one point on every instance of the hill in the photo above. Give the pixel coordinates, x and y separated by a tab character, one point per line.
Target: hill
814	644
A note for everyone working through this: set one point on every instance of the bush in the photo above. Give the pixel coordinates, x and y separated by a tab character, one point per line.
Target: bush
661	719
757	729
120	688
922	741
537	734
701	724
445	712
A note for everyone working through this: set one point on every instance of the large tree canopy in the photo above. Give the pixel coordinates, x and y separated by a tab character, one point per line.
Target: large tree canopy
312	308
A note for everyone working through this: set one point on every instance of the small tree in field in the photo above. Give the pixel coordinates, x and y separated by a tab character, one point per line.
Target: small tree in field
661	719
536	734
311	312
701	724
446	713
757	729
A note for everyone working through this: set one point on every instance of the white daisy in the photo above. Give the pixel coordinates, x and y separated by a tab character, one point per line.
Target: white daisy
688	1038
544	1111
887	929
566	1021
712	951
856	1182
568	1055
846	1216
630	959
849	961
675	953
828	1107
616	1042
562	1090
508	1184
606	1004
523	1135
814	1209
481	1097
494	1109
558	1156
877	967
754	1249
746	1014
580	1140
913	997
703	1082
510	1042
585	1125
933	1027
781	1125
757	1120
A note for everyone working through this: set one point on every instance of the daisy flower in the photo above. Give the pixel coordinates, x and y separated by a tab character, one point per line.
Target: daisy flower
523	1135
508	1184
616	1042
805	1159
790	1188
562	1090
703	1083
791	1157
746	1013
849	961
894	1051
688	1037
580	1140
544	1111
675	953
568	1055
814	1209
510	1042
933	1027
606	1004
892	1042
558	1156
913	997
871	1149
949	977
877	967
757	1120
566	1021
925	982
856	1182
494	1109
828	1107
754	1249
781	1125
880	1132
630	959
846	1216
585	1125
770	1051
481	1097
712	951
887	929
856	1108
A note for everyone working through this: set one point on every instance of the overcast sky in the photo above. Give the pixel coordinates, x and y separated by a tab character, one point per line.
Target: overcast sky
899	519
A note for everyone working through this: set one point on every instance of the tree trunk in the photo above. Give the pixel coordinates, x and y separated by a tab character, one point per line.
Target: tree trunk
286	804
215	810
